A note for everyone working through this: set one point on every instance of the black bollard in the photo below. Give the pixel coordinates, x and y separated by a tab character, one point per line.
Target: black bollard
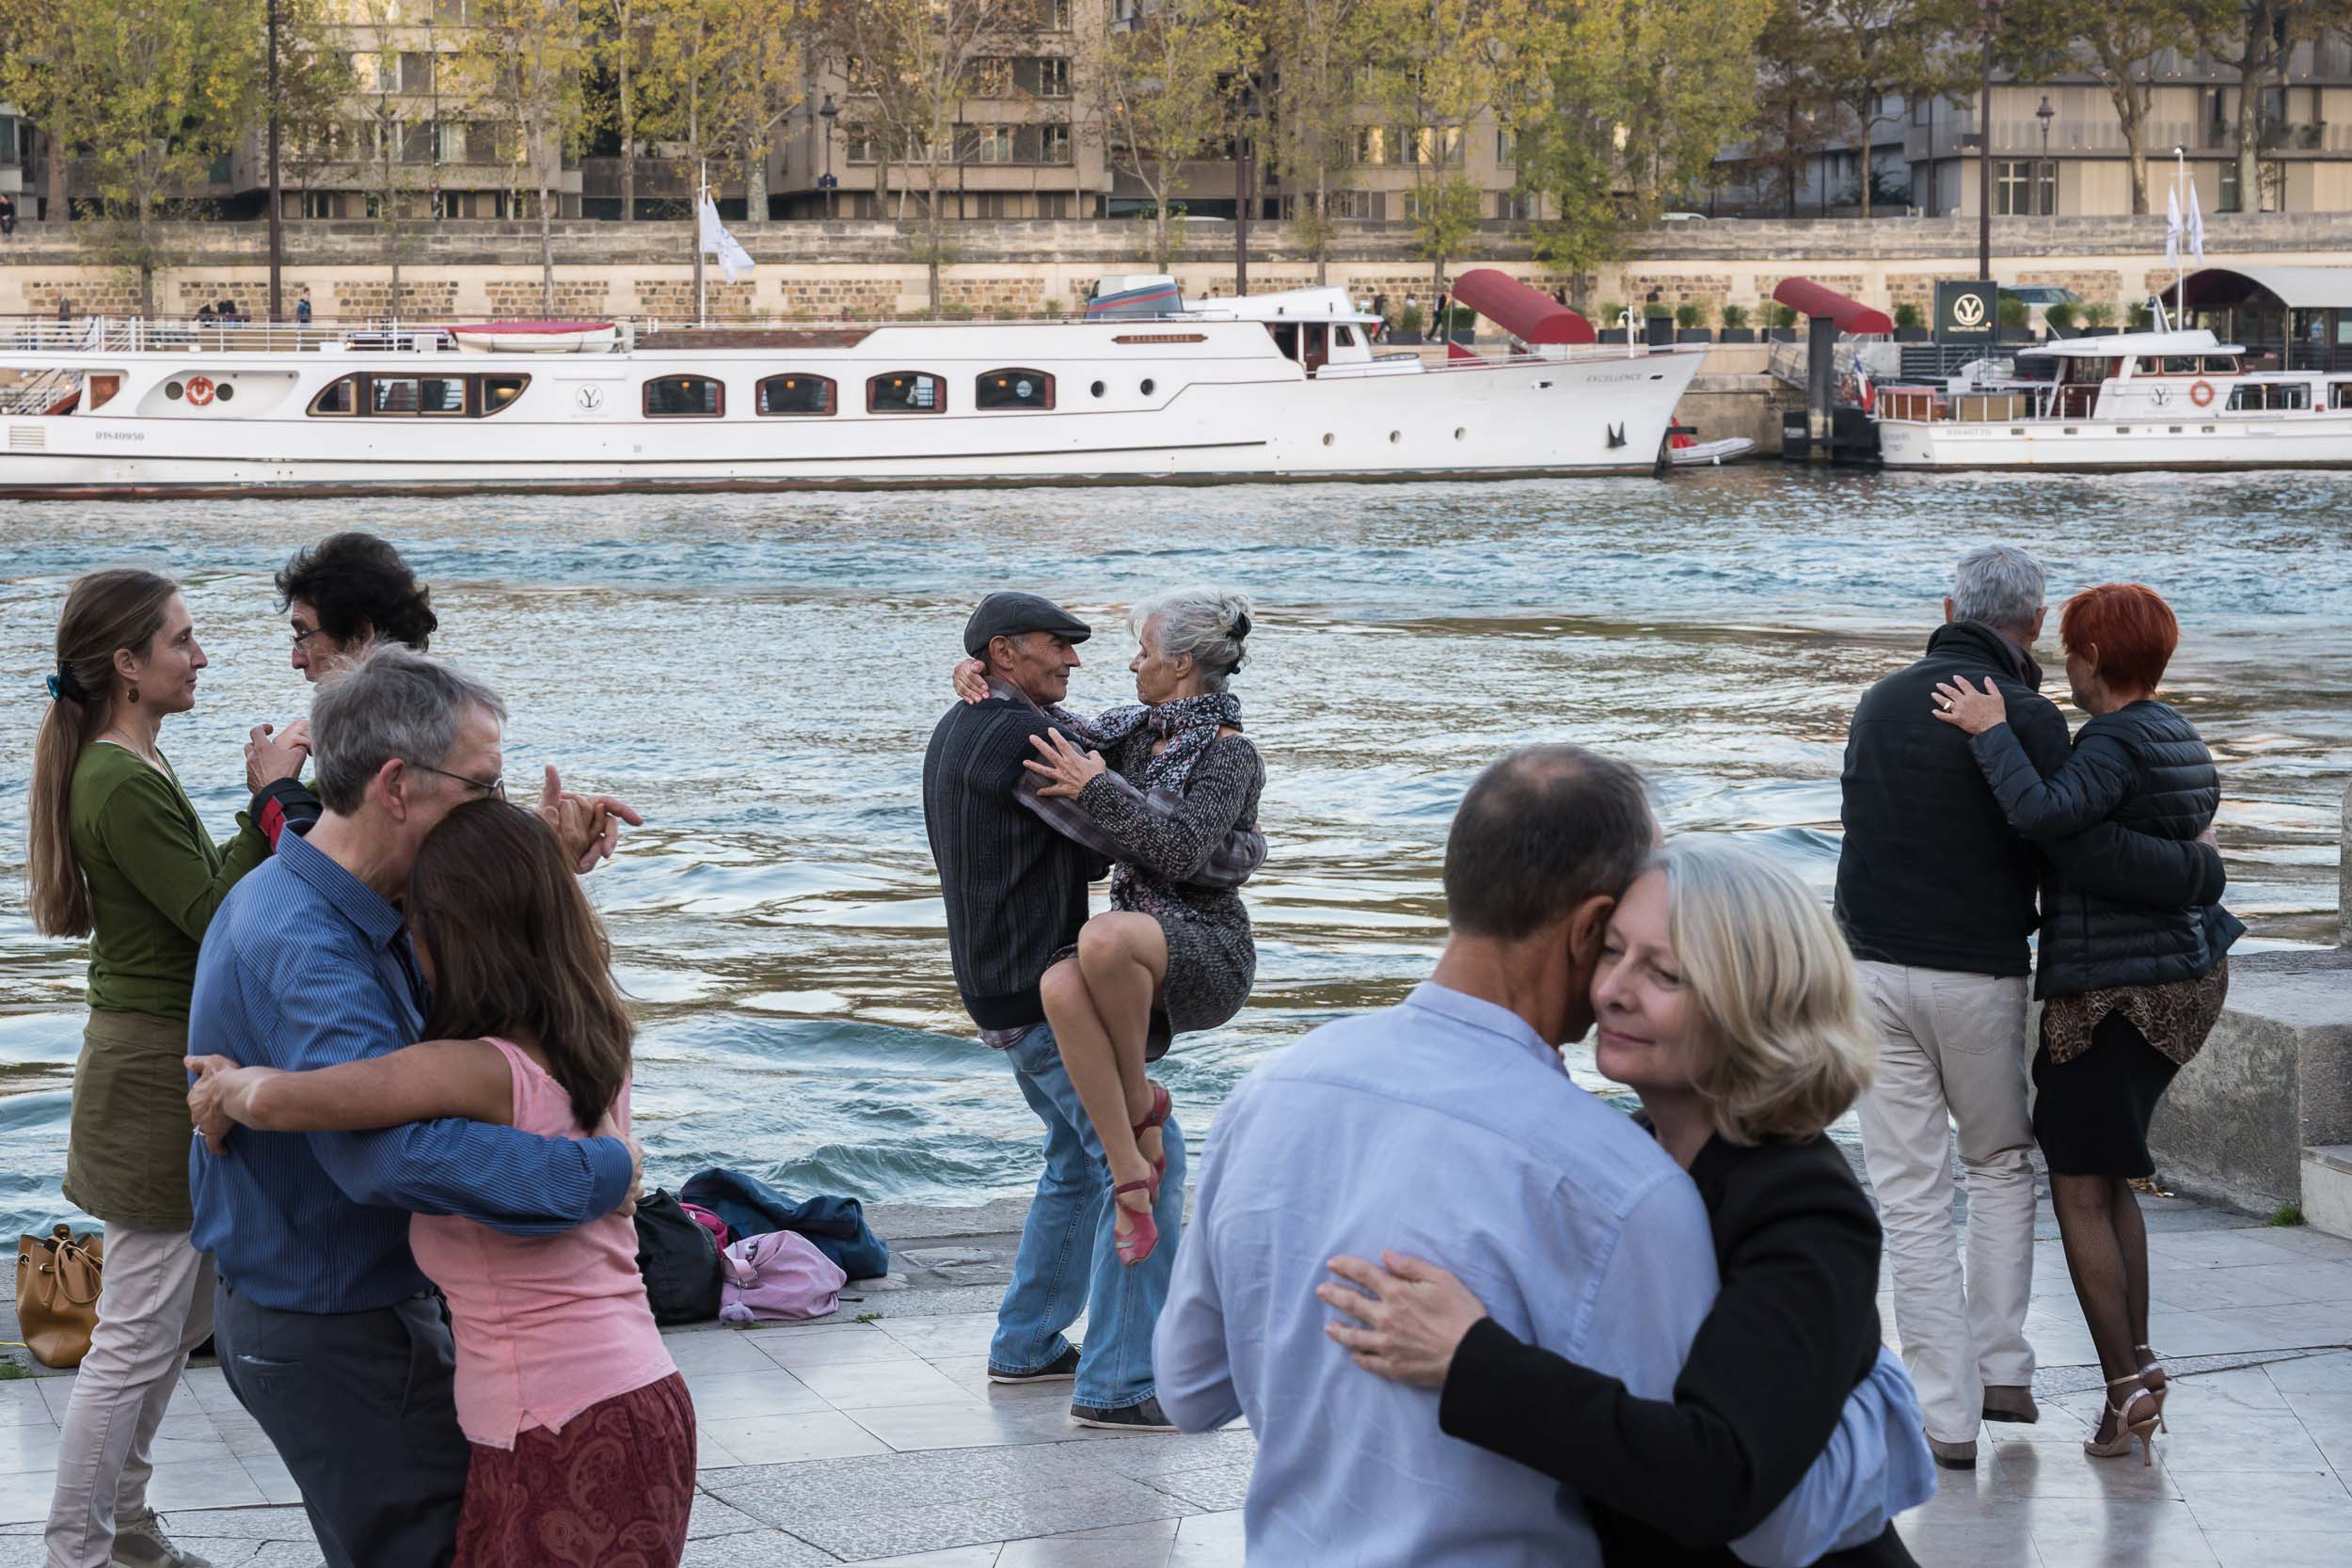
1821	377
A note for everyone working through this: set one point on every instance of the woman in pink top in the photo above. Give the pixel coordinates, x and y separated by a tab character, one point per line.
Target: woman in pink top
583	1430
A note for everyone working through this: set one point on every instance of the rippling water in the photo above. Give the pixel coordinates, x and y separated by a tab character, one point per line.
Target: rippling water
759	676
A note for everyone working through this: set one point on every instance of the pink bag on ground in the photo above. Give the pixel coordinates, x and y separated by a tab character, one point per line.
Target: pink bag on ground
778	1276
709	1221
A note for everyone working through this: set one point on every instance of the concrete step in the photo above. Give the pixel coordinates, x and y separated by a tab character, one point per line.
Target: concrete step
2328	1188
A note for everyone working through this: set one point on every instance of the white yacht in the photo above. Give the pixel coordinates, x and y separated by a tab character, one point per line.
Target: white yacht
2163	400
1146	389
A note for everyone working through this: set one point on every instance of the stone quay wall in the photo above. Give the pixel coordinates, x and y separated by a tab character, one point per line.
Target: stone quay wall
823	271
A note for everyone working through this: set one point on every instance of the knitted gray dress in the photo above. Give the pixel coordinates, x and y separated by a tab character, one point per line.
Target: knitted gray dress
1211	959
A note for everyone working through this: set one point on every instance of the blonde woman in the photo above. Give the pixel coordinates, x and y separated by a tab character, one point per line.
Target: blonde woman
1728	1002
119	855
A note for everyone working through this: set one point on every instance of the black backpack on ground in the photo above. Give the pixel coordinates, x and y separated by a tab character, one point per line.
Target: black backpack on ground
679	1260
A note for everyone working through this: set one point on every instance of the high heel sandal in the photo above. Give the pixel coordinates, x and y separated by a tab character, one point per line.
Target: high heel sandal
2126	1429
1144	1232
2151	1377
1161	1107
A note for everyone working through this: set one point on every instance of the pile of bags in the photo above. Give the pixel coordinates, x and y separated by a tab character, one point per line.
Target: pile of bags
732	1247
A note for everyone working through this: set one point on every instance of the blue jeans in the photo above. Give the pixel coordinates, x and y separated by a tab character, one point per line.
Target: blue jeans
1069	1249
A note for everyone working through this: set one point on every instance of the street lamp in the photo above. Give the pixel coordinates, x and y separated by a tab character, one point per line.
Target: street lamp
2046	114
825	181
1992	25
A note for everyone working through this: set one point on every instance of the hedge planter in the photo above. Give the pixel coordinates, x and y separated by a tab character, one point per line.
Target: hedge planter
1693	335
1914	334
1611	335
1403	340
1738	335
1785	335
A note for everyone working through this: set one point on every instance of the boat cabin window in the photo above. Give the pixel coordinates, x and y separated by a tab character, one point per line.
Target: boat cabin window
1343	337
394	397
1014	388
2180	364
905	393
2043	368
2266	395
685	397
2340	394
2221	364
441	395
796	393
1285	337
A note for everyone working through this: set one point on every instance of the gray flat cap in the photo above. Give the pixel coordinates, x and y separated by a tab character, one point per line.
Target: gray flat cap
1011	614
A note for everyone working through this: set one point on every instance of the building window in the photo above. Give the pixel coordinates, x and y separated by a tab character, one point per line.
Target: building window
1372	145
1515	206
1054	146
996	144
992	78
796	393
685	397
1013	388
2233	194
858	146
2025	188
1506	148
416	73
1052	76
1052	16
905	393
2274	186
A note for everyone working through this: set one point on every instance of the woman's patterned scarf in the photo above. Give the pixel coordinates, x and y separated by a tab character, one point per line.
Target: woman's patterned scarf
1191	721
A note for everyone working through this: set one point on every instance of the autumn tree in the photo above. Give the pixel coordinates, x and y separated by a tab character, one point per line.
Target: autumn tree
2112	42
529	59
1869	59
2258	38
1438	65
910	65
763	85
1166	83
1323	51
617	28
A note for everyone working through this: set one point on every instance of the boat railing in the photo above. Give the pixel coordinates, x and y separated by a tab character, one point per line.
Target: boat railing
189	335
40	393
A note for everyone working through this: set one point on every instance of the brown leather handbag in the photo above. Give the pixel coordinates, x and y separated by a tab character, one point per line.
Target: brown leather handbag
57	1280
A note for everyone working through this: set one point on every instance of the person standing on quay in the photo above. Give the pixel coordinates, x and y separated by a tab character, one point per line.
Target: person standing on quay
2131	984
1015	890
1937	896
119	854
329	1334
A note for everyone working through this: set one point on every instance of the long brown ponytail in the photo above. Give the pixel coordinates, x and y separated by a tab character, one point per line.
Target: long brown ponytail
104	611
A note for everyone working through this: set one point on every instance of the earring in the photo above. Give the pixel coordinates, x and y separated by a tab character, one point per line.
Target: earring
133	694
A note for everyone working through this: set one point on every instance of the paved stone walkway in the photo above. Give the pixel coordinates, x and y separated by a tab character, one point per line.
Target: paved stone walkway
882	1442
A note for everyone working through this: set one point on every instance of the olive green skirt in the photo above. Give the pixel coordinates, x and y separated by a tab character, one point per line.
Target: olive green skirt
127	1158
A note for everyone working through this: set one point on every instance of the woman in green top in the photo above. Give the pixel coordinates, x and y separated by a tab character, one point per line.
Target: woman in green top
119	855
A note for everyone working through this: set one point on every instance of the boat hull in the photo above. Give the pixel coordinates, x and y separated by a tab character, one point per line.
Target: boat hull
1191	423
2317	440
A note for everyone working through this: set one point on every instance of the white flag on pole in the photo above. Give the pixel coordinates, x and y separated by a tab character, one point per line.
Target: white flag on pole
2196	227
733	259
2172	227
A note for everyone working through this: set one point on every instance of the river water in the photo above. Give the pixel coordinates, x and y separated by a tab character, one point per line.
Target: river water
758	675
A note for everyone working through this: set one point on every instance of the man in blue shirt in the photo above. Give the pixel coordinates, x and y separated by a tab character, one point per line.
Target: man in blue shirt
325	1329
1448	1128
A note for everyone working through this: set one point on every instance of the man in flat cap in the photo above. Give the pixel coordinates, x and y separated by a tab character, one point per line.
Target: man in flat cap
1015	884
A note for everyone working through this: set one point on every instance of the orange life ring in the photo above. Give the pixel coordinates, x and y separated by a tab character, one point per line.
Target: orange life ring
200	391
2200	392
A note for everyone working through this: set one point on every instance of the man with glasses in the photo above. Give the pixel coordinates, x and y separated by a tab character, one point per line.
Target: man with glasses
327	1333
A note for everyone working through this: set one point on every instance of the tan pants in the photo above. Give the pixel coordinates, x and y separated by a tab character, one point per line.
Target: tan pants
157	1306
1952	1057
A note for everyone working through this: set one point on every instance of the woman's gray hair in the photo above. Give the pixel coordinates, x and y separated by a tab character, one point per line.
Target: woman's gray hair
1207	623
1999	585
390	704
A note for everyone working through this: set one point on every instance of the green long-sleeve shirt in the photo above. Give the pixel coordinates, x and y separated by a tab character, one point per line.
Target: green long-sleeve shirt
155	876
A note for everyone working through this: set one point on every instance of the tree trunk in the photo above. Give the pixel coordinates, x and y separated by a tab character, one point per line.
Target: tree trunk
755	170
546	248
146	256
1323	229
628	142
60	198
390	220
1867	123
2249	109
2132	113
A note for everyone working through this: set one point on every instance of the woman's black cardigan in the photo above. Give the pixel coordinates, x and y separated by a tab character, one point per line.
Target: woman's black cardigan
1794	1329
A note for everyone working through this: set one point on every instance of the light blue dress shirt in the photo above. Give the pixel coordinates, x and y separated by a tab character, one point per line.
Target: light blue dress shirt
1445	1128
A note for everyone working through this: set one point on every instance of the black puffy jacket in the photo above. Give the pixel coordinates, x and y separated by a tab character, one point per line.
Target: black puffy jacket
1929	874
2141	768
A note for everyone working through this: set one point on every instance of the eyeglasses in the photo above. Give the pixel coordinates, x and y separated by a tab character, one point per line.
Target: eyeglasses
493	789
302	636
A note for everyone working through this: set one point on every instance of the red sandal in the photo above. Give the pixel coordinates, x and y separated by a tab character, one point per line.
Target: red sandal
1144	1236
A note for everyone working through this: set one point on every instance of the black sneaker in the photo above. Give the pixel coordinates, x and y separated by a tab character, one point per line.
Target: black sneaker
1146	1417
1062	1368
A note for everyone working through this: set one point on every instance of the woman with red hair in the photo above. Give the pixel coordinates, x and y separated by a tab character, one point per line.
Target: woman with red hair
2130	991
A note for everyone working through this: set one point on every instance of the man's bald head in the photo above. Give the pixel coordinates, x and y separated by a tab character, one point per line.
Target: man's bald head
1540	832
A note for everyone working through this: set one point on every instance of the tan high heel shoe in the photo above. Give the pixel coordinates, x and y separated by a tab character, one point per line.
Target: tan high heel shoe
2152	1379
2126	1428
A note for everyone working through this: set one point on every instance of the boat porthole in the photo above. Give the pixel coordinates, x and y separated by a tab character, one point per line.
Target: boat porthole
1392	438
1148	384
1096	389
1327	438
225	392
1459	432
173	388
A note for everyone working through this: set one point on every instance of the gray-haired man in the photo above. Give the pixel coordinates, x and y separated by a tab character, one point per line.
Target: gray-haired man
327	1333
1938	897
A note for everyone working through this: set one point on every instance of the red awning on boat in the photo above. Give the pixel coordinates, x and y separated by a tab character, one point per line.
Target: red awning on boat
1527	313
1807	298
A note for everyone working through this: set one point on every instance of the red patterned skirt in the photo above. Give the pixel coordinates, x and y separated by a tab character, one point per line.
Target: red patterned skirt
611	1490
